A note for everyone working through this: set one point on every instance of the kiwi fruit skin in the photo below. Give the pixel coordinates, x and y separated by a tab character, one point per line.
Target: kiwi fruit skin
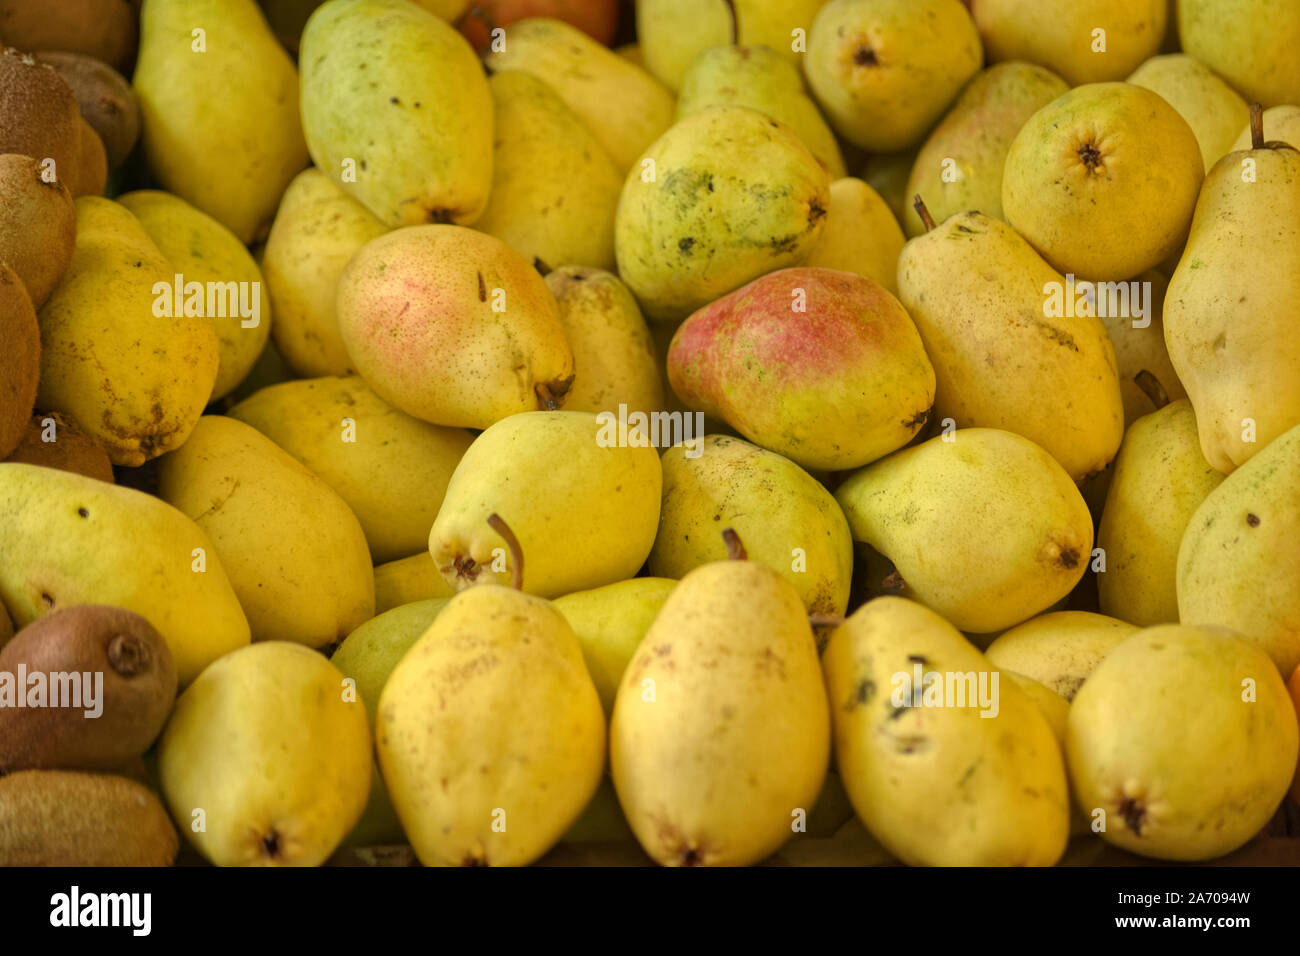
20	359
107	29
92	162
73	448
107	101
39	115
67	818
38	225
139	688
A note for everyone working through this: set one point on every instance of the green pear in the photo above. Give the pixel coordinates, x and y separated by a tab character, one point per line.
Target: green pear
1103	181
1133	773
1212	108
610	340
1250	43
1010	347
764	80
1224	312
1160	480
884	71
861	235
1059	649
959	168
203	250
787	519
583	505
490	733
295	553
269	752
724	196
407	580
317	229
396	109
1140	347
1025	532
554	188
453	326
602	821
390	468
1281	122
148	558
1083	42
609	623
116	353
1238	563
673	32
720	736
233	157
625	108
368	656
946	763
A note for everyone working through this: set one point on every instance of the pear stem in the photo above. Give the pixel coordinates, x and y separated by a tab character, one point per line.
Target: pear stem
735	22
825	620
547	396
1256	126
1153	389
498	525
735	550
926	219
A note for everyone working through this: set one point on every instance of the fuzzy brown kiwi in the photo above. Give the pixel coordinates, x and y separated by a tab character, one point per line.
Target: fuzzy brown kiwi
20	359
107	101
107	29
38	225
39	115
137	692
69	448
64	818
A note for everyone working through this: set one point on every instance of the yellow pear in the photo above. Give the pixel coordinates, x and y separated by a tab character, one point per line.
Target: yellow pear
1083	42
1139	342
408	579
1010	346
787	519
609	623
884	71
946	762
720	735
317	229
1282	123
269	754
1212	108
959	168
583	506
295	553
1133	773
1025	533
1103	181
613	354
233	157
554	188
1239	563
202	250
490	733
1059	649
861	235
390	468
66	539
1250	44
1238	277
624	107
1160	480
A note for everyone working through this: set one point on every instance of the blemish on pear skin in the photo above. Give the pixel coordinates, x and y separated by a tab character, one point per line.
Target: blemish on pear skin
1252	520
862	694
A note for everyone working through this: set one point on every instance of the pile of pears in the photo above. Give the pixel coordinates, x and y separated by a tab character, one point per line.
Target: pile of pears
728	428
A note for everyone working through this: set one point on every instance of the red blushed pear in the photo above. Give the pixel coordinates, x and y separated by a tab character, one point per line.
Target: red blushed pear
824	367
